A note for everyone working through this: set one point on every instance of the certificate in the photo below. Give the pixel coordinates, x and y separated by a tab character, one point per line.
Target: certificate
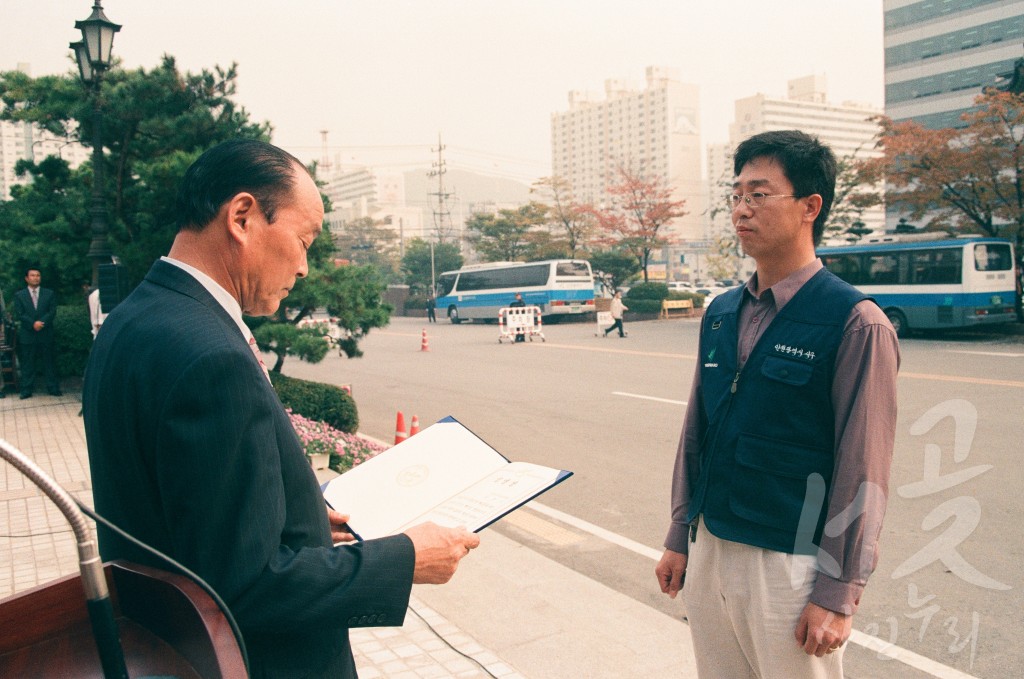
445	474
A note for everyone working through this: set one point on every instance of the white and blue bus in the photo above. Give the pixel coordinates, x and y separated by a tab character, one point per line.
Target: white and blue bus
952	283
557	286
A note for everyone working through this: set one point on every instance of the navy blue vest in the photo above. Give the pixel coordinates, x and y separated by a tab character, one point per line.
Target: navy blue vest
767	455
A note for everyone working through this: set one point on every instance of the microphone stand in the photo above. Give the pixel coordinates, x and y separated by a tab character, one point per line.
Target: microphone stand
101	610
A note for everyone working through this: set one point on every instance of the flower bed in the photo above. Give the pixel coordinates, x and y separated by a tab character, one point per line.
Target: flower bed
346	450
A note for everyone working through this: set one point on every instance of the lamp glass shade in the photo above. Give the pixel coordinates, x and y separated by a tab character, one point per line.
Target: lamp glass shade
82	59
98	34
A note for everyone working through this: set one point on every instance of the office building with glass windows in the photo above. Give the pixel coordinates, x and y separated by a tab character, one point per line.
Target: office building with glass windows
939	54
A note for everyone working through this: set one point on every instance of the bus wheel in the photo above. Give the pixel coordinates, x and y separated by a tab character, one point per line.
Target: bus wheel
453	315
898	320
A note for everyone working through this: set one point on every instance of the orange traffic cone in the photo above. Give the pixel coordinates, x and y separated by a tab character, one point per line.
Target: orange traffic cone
414	428
400	434
424	345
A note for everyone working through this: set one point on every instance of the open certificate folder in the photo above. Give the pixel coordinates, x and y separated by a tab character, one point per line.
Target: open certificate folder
445	474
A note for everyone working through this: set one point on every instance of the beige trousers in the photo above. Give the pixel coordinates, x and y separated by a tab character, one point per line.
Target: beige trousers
743	604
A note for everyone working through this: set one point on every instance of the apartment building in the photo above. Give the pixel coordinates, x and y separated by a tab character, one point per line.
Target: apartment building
846	127
653	131
25	141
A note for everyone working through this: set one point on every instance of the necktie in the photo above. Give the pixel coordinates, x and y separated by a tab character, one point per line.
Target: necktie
35	297
259	356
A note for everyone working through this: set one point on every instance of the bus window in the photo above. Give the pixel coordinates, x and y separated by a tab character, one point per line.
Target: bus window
445	284
992	257
847	267
882	270
920	267
572	269
947	266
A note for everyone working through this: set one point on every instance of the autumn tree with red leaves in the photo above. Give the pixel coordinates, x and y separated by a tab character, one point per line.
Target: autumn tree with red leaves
567	217
640	208
965	179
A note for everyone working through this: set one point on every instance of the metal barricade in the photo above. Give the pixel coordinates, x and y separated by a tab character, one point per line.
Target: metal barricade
519	320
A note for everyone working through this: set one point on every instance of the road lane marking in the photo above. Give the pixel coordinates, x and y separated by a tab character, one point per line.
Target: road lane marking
900	654
649	398
984	353
919	662
609	350
966	380
596	531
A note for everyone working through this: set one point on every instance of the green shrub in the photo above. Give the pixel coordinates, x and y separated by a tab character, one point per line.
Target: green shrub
697	298
317	401
72	338
658	291
415	302
644	306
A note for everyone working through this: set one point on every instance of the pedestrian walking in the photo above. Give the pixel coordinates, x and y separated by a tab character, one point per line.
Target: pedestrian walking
617	308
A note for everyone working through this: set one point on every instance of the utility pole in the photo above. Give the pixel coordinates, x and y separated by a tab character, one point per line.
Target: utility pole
325	158
442	215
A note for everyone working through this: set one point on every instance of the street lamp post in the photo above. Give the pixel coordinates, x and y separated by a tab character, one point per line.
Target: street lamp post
92	53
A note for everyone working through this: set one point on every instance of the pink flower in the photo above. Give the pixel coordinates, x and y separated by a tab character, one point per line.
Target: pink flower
348	450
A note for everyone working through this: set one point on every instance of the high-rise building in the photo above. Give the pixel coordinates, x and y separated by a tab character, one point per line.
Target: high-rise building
368	192
847	128
653	132
939	54
26	141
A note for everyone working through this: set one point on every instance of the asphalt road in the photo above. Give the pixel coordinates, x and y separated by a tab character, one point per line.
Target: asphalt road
949	583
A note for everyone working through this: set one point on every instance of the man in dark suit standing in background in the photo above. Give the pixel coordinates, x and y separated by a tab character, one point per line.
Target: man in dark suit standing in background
192	452
35	308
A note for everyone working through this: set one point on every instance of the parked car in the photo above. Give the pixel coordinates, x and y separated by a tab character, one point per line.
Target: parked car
681	286
710	293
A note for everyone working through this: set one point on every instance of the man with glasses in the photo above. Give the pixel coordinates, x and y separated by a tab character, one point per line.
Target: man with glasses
781	476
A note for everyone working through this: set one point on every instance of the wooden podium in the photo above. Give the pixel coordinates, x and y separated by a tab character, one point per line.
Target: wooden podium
168	626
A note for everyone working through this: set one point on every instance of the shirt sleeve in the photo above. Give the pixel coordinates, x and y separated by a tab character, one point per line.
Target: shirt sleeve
687	467
864	399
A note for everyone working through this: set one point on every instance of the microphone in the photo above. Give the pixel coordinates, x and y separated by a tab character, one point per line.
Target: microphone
97	596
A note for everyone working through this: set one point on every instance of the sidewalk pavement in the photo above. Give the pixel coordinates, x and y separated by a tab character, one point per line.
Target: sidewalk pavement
509	612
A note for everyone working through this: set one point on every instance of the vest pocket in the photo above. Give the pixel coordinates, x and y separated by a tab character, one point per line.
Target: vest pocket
795	373
769	484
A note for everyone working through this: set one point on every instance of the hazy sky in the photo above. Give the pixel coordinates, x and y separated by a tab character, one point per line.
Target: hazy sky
386	76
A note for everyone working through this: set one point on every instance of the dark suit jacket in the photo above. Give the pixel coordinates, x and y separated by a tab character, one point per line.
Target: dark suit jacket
192	452
26	315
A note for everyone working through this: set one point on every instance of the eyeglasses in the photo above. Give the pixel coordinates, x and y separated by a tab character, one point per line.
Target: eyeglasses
756	199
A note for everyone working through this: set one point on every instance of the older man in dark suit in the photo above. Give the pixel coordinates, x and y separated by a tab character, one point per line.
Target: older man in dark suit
35	308
192	452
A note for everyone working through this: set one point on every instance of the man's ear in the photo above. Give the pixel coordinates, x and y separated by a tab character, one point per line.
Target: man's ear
239	213
813	204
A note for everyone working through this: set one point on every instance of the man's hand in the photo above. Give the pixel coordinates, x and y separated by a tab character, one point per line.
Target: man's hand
38	325
670	571
820	631
339	528
438	551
